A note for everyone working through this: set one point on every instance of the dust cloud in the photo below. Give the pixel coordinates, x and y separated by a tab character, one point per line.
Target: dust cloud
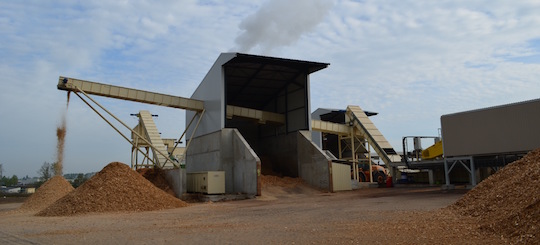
61	135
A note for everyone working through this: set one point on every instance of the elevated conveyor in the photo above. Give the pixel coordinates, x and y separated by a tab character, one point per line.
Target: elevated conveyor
329	127
261	116
374	137
148	135
150	131
123	93
111	91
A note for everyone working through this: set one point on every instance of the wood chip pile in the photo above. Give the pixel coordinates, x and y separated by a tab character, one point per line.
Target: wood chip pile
267	180
157	177
52	190
508	202
116	188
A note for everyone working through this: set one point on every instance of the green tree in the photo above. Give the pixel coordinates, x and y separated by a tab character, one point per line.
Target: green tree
10	181
14	180
45	172
79	180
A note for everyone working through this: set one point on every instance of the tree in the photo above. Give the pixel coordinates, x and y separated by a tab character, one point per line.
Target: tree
79	180
14	180
45	171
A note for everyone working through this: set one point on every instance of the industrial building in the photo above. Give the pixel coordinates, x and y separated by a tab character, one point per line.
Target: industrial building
489	138
474	144
251	115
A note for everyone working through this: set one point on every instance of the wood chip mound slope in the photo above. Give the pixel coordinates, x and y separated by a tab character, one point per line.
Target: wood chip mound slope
52	190
271	180
116	188
157	177
508	202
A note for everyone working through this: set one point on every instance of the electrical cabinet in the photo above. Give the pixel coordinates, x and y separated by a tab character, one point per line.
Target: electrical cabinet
210	182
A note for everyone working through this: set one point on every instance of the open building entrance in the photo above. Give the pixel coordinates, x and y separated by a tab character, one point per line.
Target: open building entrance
279	87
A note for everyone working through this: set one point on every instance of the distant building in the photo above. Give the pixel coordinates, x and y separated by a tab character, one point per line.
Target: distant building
13	190
28	181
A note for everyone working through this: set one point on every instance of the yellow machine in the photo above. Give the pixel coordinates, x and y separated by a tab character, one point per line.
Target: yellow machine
434	151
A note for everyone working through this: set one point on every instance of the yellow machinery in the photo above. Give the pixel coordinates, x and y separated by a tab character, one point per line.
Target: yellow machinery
419	154
434	151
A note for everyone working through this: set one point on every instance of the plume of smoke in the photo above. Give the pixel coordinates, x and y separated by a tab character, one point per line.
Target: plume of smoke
280	23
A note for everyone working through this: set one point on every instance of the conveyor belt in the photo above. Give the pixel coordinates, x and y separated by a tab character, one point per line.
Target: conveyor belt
106	90
261	116
374	137
153	137
329	127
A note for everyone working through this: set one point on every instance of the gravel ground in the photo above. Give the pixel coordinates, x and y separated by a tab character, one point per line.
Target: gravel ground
283	215
503	209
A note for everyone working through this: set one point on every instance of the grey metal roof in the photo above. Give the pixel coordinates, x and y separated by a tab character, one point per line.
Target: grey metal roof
254	81
335	115
494	107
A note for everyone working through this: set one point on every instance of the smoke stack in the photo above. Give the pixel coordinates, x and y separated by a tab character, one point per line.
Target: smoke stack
280	23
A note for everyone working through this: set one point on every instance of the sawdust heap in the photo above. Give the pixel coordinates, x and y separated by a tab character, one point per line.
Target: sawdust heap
116	188
52	190
508	202
273	180
157	177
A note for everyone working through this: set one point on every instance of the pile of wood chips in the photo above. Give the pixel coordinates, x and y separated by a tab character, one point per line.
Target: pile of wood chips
157	177
116	188
267	180
52	190
508	202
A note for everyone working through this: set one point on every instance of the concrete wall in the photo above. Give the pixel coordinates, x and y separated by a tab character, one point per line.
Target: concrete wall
204	153
314	166
211	91
177	180
246	164
226	150
496	130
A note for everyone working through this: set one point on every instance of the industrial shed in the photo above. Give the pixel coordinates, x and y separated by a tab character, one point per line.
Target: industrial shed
490	137
511	128
250	115
263	104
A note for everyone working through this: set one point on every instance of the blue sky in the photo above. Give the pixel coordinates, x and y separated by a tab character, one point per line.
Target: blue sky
411	61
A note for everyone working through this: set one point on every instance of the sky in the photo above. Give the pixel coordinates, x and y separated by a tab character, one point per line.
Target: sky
410	61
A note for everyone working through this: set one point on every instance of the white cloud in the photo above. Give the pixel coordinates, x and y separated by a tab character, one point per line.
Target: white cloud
408	60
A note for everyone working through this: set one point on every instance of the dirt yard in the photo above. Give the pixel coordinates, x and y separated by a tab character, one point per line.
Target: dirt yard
114	207
282	215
